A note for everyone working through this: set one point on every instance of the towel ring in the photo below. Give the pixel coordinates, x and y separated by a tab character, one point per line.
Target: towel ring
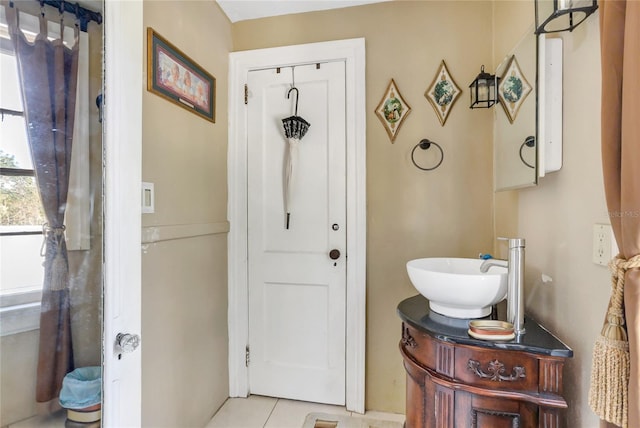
425	144
530	141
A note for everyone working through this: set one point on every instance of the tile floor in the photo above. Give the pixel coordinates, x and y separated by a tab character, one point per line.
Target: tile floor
268	412
55	420
253	412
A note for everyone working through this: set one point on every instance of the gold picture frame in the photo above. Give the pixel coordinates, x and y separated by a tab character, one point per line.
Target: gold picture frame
513	89
442	93
177	78
392	110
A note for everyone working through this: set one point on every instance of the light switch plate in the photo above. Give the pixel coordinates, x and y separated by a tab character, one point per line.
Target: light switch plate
148	198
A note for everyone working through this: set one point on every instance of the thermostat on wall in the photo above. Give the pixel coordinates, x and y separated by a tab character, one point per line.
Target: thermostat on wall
147	198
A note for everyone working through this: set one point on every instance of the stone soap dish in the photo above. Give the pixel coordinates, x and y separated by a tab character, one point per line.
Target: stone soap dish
491	330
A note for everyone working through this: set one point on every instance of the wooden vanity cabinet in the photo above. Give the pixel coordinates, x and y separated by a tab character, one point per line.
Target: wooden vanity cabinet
455	381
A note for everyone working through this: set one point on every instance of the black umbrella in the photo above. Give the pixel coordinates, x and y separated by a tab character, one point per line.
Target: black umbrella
295	128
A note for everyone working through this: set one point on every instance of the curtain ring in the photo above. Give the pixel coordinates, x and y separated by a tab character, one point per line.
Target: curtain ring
425	144
61	10
77	13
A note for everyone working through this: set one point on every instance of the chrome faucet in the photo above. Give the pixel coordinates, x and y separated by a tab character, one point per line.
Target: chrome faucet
515	281
489	263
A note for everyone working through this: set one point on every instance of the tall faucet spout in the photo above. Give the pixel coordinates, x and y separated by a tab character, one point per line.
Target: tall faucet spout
487	264
515	293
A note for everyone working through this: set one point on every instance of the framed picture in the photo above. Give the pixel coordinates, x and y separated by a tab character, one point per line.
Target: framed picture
513	89
177	78
392	110
442	93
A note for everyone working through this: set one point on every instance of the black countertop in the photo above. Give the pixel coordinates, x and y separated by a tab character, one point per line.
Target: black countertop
537	340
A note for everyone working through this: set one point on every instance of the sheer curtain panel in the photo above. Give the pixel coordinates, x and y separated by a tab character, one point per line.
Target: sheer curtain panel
48	74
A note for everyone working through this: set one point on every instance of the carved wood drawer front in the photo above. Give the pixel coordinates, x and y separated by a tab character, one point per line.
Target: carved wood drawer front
495	369
429	352
419	345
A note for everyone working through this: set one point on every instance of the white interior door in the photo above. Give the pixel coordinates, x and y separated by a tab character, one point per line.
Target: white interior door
122	211
297	292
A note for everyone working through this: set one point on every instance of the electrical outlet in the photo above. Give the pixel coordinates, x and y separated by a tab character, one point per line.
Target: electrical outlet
604	244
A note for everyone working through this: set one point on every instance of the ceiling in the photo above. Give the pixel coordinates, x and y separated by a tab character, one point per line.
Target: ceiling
241	10
94	5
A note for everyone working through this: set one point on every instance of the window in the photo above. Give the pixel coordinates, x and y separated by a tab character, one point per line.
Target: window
21	214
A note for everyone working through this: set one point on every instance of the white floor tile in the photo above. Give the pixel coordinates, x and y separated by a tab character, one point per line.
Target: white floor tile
251	412
268	412
383	416
55	420
291	414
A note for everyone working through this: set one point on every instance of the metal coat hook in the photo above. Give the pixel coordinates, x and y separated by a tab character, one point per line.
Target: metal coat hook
293	87
297	96
61	10
425	144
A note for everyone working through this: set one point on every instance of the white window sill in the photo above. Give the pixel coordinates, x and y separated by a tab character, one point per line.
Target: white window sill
19	312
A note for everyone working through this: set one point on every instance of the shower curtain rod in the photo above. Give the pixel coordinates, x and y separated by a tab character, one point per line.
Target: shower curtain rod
83	15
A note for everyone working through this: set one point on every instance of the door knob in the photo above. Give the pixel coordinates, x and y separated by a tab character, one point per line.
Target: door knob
334	254
127	342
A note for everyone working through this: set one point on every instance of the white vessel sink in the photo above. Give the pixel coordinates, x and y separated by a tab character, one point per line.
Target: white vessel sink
455	287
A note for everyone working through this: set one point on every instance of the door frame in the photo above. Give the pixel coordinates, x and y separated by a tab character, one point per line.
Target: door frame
352	52
122	259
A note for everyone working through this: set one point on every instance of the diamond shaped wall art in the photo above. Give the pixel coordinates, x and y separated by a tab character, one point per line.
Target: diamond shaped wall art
392	110
442	93
513	89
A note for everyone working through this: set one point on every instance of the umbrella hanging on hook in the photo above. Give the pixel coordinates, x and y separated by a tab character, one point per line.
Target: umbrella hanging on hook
295	128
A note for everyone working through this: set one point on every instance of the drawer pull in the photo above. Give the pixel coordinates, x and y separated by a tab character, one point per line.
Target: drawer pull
495	371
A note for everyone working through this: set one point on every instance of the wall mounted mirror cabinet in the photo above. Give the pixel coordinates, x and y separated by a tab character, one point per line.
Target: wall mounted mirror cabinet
515	137
528	136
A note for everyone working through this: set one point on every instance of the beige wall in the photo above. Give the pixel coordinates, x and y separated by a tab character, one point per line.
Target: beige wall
511	19
556	219
410	213
184	257
18	367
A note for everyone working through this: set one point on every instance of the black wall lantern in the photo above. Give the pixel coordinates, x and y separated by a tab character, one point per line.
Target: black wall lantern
561	15
484	93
